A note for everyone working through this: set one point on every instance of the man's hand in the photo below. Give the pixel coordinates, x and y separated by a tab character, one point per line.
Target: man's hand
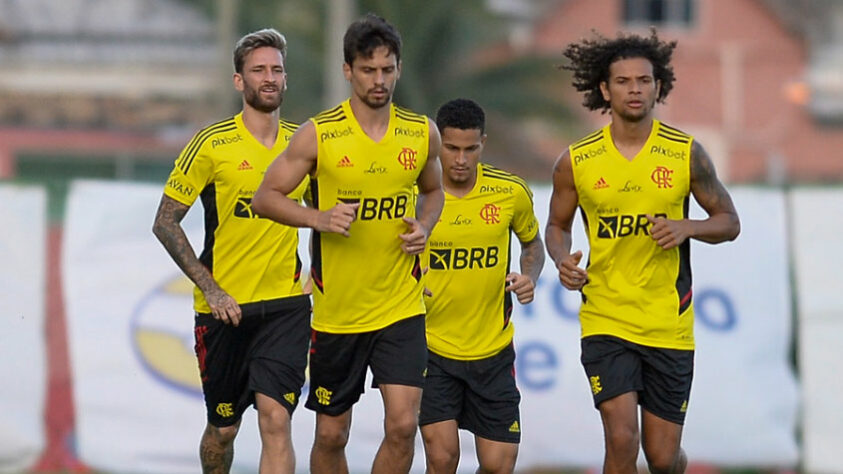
337	219
415	239
572	276
666	232
523	287
223	306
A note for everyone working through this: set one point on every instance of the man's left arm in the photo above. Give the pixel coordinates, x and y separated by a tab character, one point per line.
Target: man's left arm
431	198
722	223
526	228
532	261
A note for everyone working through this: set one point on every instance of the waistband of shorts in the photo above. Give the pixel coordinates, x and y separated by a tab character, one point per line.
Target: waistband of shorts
262	308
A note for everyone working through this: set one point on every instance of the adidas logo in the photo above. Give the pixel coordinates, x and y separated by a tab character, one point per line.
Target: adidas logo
514	428
244	165
601	184
345	163
684	406
290	397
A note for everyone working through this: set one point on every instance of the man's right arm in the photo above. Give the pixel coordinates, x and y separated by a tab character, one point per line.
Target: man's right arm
563	206
167	228
282	177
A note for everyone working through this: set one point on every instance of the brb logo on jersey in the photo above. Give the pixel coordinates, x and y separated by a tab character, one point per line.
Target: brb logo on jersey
663	177
624	225
463	258
407	158
491	214
243	208
390	207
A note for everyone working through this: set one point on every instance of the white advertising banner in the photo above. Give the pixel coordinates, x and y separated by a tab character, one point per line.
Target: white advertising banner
818	258
23	245
139	406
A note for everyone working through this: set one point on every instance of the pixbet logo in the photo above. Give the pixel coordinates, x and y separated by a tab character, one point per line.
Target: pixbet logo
409	132
660	150
336	133
225	140
580	157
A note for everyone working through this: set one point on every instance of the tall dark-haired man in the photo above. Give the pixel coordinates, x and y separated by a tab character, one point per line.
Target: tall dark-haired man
632	180
470	370
252	318
364	156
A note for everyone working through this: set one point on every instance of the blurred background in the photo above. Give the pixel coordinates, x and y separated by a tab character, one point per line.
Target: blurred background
111	90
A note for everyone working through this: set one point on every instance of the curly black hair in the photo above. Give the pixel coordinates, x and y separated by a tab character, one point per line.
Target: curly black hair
462	114
590	60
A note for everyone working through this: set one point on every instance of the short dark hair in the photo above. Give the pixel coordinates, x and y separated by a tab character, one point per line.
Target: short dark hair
462	114
368	33
258	39
590	60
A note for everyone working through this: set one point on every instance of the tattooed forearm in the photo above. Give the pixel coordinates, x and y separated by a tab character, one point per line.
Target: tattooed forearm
167	228
532	258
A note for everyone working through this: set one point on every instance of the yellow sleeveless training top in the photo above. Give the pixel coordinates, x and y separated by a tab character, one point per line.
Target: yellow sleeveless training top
636	290
252	259
365	282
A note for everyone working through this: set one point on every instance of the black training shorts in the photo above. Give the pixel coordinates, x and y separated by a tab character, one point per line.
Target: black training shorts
662	377
396	354
265	353
480	395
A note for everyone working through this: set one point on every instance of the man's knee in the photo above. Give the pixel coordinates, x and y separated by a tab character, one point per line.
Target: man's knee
401	427
222	436
274	419
622	438
504	464
331	437
665	461
441	458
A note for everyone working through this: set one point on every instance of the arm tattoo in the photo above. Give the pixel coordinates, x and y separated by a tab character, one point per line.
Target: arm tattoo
168	229
707	189
532	258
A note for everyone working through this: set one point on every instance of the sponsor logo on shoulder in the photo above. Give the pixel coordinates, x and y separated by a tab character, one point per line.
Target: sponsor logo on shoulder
588	154
228	140
494	188
335	133
668	152
409	132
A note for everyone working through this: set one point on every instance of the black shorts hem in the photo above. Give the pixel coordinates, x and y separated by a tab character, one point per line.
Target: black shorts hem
406	383
604	398
281	401
335	410
225	423
438	419
515	439
665	416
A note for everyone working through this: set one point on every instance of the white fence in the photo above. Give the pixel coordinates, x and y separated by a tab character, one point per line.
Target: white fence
139	408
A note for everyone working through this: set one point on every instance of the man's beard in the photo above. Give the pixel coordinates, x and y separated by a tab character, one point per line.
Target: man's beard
254	99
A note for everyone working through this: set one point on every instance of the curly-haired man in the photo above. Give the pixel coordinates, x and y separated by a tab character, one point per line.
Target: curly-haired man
632	180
